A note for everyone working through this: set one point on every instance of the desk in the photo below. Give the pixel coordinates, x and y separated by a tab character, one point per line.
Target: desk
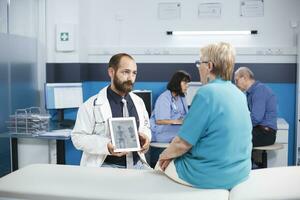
278	158
60	145
159	145
64	182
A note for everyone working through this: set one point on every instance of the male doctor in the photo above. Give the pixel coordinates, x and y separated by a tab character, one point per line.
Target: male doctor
91	133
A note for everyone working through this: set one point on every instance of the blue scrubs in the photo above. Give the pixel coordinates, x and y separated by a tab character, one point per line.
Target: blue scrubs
218	126
167	107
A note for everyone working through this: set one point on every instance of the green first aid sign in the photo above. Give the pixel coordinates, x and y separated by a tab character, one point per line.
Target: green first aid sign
64	36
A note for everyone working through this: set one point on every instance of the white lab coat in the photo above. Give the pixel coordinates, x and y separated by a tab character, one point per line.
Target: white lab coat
94	144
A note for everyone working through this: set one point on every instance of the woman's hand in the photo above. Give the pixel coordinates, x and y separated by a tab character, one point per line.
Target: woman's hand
164	163
177	148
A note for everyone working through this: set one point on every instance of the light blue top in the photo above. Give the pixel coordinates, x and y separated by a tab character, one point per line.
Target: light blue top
167	107
218	126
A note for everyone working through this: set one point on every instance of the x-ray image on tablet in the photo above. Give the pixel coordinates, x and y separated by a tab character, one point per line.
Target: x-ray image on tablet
124	134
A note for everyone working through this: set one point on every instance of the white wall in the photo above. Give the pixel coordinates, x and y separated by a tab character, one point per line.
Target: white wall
61	12
105	27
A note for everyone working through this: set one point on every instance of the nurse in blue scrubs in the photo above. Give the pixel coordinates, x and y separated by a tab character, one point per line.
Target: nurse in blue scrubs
170	109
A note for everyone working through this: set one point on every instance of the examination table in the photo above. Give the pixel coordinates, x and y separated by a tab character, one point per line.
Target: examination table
47	181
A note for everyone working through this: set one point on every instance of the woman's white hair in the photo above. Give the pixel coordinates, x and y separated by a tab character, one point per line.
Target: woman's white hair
222	55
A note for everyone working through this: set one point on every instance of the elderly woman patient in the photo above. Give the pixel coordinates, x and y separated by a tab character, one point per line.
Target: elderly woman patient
213	146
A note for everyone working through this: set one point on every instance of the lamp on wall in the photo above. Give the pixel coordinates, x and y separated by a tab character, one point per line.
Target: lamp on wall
191	33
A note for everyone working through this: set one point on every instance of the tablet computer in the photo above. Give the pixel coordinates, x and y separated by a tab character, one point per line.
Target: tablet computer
124	134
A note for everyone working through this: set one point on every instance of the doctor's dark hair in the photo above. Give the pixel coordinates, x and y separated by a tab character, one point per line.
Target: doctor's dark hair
115	60
174	84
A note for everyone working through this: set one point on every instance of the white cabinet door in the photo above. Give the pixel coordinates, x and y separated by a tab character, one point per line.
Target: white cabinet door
279	158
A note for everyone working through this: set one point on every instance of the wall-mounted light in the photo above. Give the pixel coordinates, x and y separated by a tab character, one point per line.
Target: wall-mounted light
191	33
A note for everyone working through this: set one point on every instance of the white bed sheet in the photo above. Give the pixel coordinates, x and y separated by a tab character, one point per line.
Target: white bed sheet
271	183
46	181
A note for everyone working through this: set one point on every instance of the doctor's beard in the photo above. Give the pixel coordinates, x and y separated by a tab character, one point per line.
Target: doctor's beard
125	86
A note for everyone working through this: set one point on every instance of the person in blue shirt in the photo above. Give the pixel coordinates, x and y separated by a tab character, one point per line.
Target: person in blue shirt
213	146
170	108
262	105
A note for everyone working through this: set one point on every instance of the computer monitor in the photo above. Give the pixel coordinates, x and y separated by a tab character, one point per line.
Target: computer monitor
192	89
146	95
63	95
